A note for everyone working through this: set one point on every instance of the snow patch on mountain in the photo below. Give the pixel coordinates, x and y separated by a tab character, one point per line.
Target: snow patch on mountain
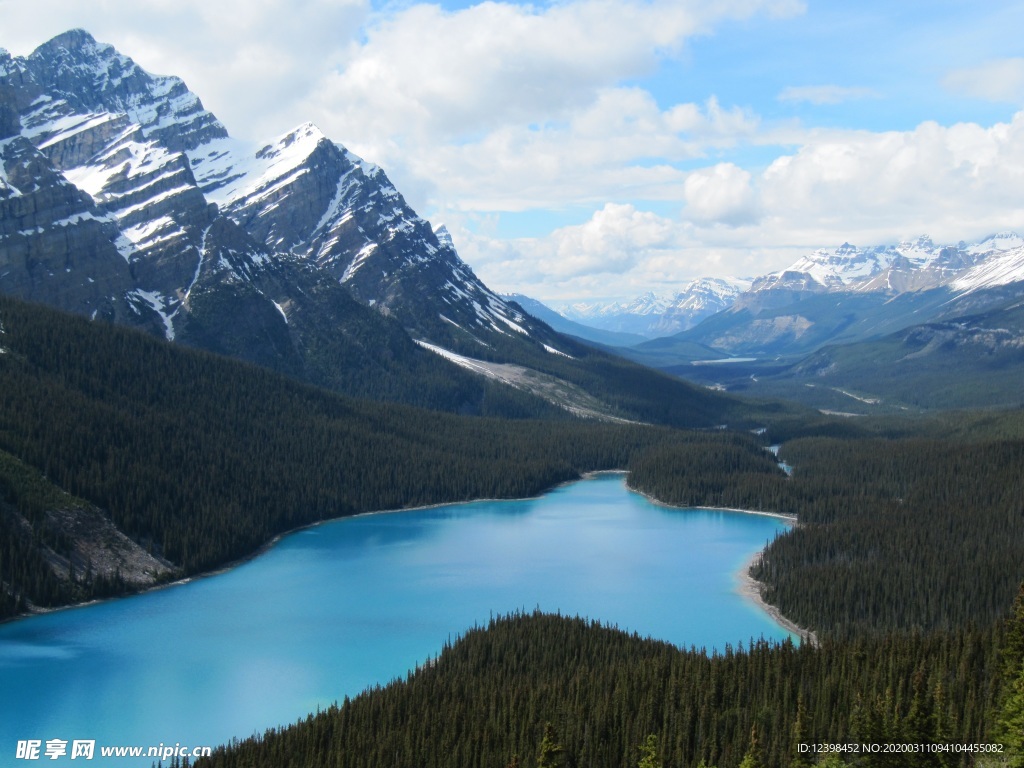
999	242
910	265
159	304
1002	268
228	175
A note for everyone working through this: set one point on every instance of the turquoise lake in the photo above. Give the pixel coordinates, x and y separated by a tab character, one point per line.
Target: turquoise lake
331	610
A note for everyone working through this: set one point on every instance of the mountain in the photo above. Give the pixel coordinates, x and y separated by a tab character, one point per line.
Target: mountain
908	266
652	315
563	325
971	361
123	198
850	294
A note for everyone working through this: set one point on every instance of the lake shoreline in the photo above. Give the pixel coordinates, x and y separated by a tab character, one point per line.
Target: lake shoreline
749	589
267	546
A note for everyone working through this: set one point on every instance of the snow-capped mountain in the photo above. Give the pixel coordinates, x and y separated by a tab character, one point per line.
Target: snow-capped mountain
652	315
122	196
908	266
849	294
1001	266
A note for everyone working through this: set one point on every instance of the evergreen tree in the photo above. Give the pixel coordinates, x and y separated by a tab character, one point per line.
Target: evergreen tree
800	736
753	758
1009	727
552	753
649	753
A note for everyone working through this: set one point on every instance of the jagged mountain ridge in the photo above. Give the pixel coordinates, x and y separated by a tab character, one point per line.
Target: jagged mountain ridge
886	271
849	294
148	153
908	266
123	198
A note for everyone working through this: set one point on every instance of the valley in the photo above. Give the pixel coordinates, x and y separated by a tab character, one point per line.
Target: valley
207	344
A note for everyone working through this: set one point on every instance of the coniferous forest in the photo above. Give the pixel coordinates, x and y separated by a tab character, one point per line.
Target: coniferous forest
203	459
907	560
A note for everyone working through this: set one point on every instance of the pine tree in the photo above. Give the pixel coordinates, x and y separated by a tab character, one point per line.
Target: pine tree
753	758
552	753
800	736
649	753
1009	726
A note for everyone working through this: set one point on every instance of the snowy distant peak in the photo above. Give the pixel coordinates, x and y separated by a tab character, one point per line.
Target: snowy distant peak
1001	268
647	304
911	265
654	314
1001	241
923	244
709	292
94	77
830	268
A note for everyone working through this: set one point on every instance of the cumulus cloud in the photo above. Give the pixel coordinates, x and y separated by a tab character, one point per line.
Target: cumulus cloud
952	181
502	107
455	73
955	182
610	242
622	145
721	194
996	80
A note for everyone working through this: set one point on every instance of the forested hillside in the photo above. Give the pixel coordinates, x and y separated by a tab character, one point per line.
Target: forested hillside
909	551
201	460
913	525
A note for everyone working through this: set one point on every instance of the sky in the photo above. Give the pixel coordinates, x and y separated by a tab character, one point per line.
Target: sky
593	150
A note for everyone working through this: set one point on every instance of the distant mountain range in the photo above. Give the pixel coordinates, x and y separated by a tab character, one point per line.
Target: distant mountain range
123	198
788	334
911	266
652	314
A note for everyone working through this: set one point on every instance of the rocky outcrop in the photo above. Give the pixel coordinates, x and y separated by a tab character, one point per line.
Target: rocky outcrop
56	246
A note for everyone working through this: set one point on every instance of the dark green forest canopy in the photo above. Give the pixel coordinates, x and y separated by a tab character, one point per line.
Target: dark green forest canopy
487	698
912	524
204	459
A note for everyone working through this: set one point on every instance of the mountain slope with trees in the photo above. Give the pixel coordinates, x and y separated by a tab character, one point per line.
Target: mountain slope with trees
200	460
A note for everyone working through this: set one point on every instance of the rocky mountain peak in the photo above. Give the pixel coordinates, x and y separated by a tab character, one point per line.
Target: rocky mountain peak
93	77
444	237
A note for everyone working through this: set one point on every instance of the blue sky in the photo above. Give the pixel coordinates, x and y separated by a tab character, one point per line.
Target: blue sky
597	149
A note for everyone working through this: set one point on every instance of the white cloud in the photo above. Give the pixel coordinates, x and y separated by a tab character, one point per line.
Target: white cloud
955	182
450	75
950	181
619	253
999	80
720	194
620	146
825	94
504	107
